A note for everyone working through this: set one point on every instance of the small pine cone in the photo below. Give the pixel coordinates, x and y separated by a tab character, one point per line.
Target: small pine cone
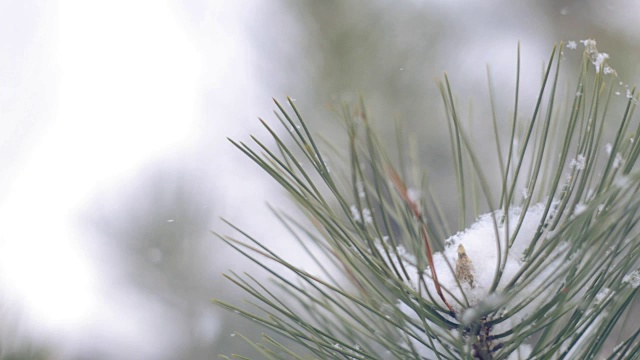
464	267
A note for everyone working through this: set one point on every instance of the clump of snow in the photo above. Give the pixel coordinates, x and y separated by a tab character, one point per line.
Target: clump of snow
366	215
578	163
472	299
480	243
572	45
355	214
597	58
632	278
360	188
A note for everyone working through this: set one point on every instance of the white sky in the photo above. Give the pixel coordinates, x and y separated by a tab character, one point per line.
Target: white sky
124	71
121	85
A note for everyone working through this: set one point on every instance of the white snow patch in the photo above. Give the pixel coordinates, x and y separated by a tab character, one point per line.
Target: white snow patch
414	195
578	163
617	161
597	58
366	215
603	295
632	278
480	242
608	148
579	209
481	245
360	188
355	214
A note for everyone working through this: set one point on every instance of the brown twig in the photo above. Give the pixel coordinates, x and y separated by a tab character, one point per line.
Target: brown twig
404	194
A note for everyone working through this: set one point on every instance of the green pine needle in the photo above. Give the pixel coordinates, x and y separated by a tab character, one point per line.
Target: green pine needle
379	293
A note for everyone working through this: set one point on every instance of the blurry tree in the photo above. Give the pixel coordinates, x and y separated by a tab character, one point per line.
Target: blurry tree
159	228
390	53
26	353
16	348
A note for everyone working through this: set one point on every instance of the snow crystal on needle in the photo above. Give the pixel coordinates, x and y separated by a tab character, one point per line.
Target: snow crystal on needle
597	58
578	163
602	295
360	188
414	195
608	148
617	161
632	278
355	214
366	214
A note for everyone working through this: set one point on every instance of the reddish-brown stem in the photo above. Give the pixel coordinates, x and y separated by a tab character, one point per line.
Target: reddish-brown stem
404	194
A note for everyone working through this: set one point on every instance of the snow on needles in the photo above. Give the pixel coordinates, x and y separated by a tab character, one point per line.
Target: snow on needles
598	59
632	279
479	245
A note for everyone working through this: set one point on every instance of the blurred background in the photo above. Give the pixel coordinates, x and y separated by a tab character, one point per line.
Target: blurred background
115	163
